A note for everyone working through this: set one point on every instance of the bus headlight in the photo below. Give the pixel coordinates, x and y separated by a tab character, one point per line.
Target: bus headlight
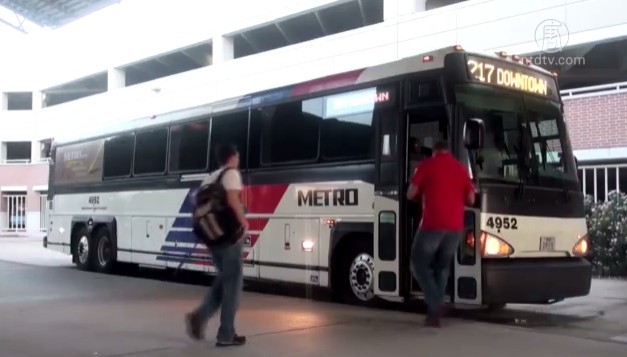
581	248
492	246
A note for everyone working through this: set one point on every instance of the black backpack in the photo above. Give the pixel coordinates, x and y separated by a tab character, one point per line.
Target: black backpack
215	223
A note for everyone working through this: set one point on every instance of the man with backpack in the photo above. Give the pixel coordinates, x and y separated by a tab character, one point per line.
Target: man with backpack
220	223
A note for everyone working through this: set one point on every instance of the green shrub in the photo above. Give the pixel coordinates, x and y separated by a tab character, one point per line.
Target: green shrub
607	230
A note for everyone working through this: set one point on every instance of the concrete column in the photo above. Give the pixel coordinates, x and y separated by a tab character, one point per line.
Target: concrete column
38	100
35	151
395	8
223	49
4	101
116	78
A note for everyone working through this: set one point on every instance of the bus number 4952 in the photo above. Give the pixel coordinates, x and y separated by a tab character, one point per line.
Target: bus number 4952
502	223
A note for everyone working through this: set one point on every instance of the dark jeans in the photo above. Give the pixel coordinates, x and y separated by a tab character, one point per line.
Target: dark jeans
225	291
431	256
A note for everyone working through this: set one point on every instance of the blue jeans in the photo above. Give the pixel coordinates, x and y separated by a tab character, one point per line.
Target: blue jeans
225	291
431	256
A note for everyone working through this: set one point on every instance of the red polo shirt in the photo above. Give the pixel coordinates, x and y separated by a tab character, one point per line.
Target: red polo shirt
444	184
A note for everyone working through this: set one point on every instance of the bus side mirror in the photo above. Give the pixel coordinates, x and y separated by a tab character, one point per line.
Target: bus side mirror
474	132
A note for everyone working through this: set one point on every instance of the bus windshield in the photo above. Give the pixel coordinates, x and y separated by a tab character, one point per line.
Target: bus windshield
519	129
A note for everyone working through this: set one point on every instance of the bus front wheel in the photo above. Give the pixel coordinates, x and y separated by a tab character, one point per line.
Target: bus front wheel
83	250
358	276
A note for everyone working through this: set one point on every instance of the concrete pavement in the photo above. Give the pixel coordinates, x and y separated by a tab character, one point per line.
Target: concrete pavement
48	310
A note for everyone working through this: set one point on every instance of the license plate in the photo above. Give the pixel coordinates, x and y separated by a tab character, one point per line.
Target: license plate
547	244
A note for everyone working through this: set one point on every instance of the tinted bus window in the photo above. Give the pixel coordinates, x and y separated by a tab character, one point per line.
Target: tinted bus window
229	129
151	149
290	132
189	145
118	156
347	132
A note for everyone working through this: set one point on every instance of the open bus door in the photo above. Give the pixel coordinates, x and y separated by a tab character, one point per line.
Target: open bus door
386	205
465	279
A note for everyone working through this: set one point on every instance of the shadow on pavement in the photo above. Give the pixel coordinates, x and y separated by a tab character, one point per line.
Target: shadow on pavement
510	316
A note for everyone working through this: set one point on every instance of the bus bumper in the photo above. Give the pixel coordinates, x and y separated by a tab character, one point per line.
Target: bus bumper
534	281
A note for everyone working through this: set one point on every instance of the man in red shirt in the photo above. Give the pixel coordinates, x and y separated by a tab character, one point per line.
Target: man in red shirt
446	187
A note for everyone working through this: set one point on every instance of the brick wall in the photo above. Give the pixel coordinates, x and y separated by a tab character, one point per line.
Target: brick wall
597	121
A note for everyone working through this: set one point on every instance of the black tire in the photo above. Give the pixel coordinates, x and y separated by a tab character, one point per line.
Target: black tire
104	249
357	275
82	249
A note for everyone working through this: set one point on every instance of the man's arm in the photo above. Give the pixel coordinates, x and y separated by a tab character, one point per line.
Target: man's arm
416	182
232	182
470	189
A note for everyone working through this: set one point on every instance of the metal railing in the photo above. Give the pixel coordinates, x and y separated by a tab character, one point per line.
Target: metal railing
16	162
592	91
602	180
14	212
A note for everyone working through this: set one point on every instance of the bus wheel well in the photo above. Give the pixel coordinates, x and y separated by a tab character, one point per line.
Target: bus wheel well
339	253
98	227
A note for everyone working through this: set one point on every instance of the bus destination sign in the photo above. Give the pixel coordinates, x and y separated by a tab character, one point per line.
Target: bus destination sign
504	74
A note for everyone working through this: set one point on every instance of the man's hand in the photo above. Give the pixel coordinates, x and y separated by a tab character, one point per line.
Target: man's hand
411	192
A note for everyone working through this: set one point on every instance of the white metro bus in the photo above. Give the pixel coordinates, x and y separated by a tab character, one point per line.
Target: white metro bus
325	166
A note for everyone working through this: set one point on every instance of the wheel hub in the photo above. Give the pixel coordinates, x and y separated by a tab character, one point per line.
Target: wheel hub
361	277
83	249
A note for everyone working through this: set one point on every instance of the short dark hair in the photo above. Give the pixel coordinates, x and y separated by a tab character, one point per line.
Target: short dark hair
441	145
224	152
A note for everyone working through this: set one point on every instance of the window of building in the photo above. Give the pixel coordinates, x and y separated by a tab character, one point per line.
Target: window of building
290	132
229	129
19	100
600	187
189	145
17	151
13	208
45	148
151	149
118	156
622	179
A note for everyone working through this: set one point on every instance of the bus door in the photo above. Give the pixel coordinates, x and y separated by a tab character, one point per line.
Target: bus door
425	126
465	279
386	205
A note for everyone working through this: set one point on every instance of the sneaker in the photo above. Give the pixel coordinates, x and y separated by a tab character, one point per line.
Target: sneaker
193	327
444	311
236	341
432	321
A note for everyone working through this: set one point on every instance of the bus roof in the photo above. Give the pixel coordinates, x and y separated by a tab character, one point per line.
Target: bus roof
399	67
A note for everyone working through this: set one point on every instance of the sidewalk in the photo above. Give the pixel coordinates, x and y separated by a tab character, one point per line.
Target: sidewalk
30	250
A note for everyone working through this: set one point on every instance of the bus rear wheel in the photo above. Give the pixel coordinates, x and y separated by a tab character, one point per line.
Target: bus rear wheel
104	257
358	275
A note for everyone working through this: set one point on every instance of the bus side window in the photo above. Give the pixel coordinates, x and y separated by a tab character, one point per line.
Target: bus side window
189	147
151	150
118	156
229	129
